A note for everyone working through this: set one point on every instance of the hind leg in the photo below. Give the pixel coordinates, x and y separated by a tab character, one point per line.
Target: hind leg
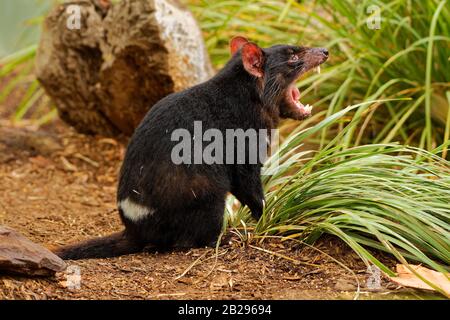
203	225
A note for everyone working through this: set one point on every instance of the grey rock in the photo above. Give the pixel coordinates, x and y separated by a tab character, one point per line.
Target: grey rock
20	255
105	76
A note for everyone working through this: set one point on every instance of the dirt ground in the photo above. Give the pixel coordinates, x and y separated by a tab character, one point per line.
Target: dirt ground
60	188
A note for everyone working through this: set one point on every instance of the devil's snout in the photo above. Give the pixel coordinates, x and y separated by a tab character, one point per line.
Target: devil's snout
320	54
324	51
315	57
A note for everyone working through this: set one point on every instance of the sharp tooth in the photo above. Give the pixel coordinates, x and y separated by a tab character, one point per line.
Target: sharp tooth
318	69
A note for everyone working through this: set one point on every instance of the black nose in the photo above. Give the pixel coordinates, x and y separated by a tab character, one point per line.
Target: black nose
324	51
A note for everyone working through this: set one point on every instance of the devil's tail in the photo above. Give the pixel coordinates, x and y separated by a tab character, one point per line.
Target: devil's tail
116	244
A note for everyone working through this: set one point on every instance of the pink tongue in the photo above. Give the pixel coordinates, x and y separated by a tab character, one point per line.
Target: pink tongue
295	93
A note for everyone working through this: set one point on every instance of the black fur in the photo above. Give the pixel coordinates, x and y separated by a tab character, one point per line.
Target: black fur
187	201
115	244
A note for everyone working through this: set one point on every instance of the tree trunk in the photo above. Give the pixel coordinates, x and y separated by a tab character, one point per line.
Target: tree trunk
105	75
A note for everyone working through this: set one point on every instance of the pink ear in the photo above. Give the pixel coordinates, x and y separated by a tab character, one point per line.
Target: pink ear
236	43
253	59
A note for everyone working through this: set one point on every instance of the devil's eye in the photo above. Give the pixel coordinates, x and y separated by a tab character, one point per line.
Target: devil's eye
294	58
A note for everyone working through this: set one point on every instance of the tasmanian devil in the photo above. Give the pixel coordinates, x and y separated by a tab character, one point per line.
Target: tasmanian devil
164	204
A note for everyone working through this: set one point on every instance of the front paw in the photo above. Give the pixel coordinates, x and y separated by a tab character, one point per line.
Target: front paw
258	209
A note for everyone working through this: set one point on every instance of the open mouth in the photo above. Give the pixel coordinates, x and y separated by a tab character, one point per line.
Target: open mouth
294	97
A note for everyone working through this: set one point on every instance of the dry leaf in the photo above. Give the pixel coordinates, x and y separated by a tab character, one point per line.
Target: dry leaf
406	278
67	165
